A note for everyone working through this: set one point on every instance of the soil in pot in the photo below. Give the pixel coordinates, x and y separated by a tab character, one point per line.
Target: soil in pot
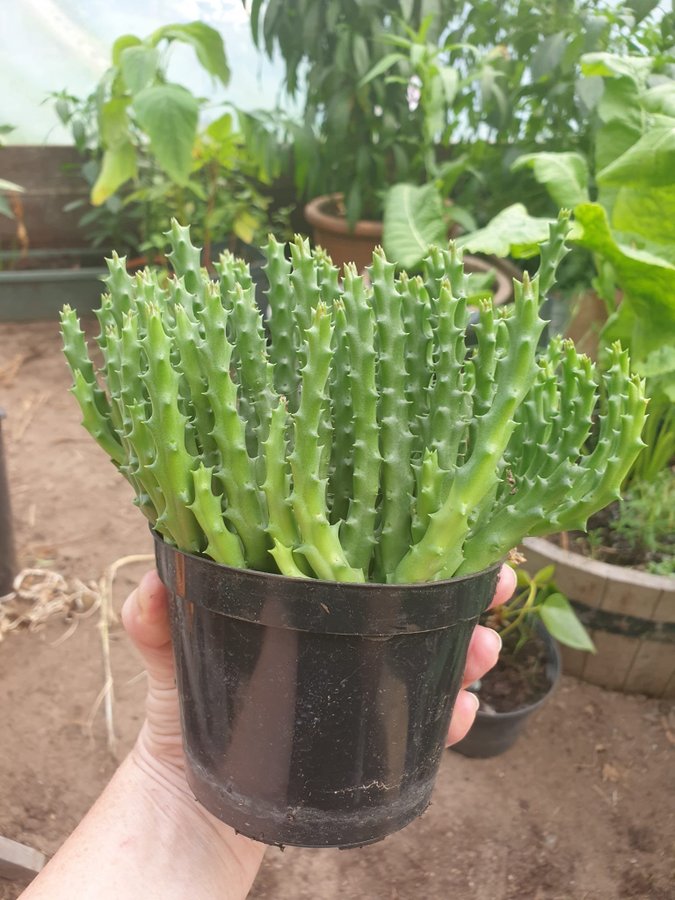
519	678
510	693
606	543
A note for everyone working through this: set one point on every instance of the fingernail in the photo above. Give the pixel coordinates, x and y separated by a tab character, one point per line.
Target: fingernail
500	643
475	699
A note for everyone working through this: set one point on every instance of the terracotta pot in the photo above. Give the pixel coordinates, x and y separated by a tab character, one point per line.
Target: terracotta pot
332	233
630	615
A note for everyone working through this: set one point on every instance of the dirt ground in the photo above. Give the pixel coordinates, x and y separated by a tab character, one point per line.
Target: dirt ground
581	809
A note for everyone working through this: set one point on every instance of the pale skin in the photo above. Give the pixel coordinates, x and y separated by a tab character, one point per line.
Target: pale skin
146	837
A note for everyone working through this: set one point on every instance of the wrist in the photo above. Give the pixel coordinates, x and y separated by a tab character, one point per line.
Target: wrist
188	830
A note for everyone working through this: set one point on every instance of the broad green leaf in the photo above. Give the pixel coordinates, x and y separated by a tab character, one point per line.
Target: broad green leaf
646	315
563	624
650	162
659	362
360	54
660	99
646	216
543	576
245	226
139	66
5	208
564	175
462	217
224	140
386	63
589	91
168	114
113	123
448	172
119	165
413	221
642	8
608	65
548	55
612	140
206	41
121	44
512	232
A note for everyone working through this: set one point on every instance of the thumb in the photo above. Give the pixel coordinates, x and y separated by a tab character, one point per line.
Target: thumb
145	616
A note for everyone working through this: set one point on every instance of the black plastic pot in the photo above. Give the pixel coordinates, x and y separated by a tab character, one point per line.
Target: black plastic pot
315	713
493	733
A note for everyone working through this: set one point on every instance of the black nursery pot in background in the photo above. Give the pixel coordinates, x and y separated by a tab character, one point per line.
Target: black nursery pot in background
315	713
493	733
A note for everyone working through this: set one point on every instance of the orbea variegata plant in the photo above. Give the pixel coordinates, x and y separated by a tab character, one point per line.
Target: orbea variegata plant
365	432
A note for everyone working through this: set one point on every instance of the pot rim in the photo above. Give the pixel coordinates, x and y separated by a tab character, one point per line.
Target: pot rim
349	585
328	607
316	216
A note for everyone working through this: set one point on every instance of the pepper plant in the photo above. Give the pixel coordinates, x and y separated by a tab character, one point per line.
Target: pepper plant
361	433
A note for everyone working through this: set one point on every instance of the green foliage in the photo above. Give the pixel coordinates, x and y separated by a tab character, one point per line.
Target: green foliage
455	453
642	524
538	599
414	220
628	229
443	93
136	103
565	174
147	158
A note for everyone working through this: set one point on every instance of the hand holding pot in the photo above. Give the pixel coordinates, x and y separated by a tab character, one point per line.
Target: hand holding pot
146	830
145	617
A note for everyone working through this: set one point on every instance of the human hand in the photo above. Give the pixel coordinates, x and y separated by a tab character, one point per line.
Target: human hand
481	657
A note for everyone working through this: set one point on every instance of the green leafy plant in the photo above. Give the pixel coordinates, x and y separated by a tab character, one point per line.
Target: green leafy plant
407	104
136	105
628	229
640	529
147	158
537	599
362	441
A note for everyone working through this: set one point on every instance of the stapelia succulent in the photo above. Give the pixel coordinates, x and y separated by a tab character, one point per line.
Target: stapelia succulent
367	430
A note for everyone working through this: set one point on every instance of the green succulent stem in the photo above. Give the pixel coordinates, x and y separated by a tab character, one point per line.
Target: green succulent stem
320	542
357	432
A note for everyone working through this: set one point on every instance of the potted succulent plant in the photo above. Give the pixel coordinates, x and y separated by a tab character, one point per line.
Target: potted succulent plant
331	494
529	665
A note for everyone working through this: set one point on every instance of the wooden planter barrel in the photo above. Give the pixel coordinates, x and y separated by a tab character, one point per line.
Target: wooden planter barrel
629	613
